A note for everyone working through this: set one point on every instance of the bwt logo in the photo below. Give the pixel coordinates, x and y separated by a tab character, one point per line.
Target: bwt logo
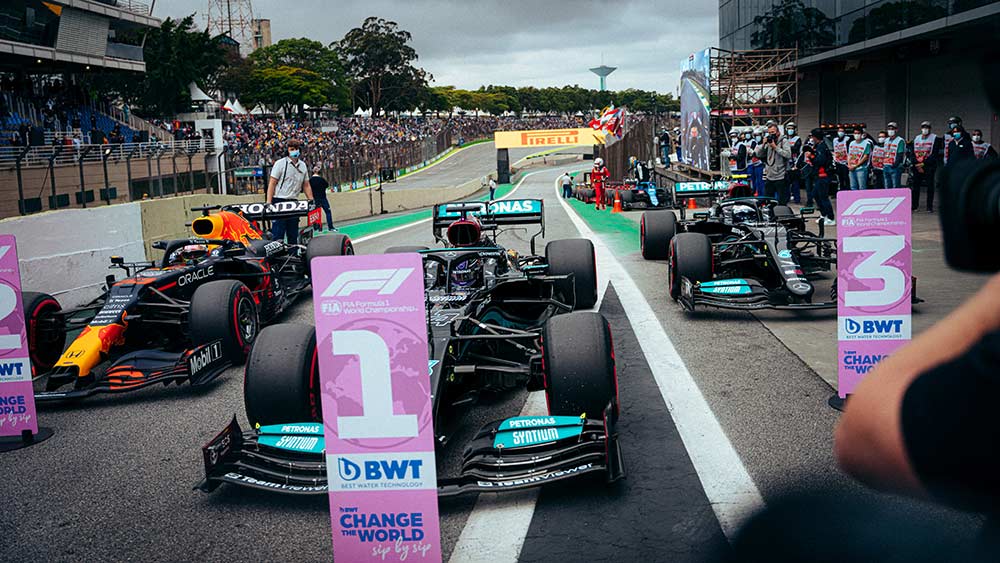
882	205
11	369
386	282
875	328
380	470
555	137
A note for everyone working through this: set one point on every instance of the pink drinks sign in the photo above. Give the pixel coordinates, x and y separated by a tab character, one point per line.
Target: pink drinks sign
371	337
17	397
874	281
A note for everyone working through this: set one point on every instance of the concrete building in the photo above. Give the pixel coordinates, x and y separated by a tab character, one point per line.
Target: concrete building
261	34
73	35
877	61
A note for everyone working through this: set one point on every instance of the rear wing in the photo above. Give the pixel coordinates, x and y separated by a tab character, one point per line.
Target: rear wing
492	215
258	211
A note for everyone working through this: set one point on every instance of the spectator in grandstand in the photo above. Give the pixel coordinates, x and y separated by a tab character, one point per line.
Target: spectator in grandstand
289	178
319	186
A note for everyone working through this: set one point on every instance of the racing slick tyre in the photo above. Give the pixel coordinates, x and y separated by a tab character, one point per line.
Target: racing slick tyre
337	244
46	336
781	211
579	365
404	249
690	257
628	196
656	230
224	310
574	256
281	381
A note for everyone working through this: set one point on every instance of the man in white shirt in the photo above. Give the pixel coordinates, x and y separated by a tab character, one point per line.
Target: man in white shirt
493	188
289	178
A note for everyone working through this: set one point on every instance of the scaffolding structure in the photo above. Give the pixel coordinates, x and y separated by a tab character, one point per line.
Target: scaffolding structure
233	18
752	87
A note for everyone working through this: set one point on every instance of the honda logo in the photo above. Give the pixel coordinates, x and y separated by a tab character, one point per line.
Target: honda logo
386	282
882	205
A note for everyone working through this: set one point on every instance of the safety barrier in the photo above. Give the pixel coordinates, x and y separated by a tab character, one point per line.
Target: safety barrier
67	252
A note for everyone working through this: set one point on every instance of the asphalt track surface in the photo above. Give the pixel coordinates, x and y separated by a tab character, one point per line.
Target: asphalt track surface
469	163
114	483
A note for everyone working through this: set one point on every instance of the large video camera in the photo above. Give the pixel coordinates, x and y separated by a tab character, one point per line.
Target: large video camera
970	199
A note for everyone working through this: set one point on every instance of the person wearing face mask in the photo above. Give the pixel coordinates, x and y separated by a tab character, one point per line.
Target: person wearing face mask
756	164
878	161
794	176
840	143
926	154
859	154
894	153
289	178
959	147
982	149
775	152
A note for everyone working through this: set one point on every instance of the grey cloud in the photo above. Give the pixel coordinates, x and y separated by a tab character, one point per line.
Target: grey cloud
516	42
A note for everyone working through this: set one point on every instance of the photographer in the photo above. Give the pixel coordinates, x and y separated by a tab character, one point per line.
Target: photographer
775	151
820	166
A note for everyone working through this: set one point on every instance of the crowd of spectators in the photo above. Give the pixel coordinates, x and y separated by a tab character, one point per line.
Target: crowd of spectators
259	141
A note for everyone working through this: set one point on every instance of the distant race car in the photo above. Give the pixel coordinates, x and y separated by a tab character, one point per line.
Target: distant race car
744	253
184	318
638	195
497	322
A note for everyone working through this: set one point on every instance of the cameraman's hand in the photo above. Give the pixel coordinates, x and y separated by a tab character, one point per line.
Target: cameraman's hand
869	442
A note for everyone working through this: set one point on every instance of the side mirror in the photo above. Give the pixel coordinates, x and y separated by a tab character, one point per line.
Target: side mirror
117	260
807	210
701	215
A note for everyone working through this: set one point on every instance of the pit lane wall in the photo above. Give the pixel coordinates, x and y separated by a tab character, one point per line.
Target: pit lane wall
66	253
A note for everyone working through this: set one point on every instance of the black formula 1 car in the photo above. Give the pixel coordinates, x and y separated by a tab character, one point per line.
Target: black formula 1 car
184	318
744	253
496	322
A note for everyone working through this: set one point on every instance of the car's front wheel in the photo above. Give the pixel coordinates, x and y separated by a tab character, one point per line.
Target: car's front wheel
579	365
690	257
281	382
224	310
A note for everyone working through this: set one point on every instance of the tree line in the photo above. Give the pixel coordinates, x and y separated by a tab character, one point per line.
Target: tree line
373	66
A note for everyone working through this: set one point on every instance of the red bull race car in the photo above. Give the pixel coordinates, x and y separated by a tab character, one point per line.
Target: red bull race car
497	322
184	318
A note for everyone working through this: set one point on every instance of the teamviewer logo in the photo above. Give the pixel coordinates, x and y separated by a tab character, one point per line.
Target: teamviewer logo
386	282
880	205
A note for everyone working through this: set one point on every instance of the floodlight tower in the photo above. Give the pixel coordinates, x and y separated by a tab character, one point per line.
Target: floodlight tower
603	71
233	18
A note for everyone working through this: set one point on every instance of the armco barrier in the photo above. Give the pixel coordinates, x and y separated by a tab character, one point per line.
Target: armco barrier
67	252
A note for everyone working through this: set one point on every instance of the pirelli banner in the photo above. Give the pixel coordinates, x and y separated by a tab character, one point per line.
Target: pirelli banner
548	138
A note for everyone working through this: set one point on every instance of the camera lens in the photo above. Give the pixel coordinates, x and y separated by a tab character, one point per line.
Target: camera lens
970	215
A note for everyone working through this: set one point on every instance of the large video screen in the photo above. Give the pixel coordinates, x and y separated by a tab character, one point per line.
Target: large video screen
695	109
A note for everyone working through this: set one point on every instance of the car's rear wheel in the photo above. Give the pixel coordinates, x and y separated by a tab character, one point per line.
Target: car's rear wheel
656	230
45	331
574	256
404	249
281	381
690	257
224	310
628	196
579	365
337	244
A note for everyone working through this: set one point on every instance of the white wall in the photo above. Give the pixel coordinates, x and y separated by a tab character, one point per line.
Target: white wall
66	253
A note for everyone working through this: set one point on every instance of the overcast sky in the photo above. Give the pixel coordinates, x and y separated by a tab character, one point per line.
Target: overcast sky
471	43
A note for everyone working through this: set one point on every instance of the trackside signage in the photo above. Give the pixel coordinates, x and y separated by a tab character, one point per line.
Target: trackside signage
542	138
874	267
371	338
17	398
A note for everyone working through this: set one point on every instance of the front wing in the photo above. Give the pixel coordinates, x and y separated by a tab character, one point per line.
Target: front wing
136	370
748	296
240	458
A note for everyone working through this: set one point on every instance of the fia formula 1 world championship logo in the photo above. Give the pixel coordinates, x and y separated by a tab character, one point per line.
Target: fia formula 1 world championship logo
385	281
881	205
